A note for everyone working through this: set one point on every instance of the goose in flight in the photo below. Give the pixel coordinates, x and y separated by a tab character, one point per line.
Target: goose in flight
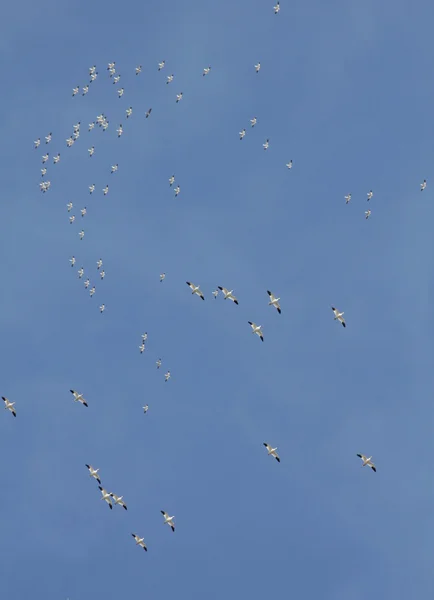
92	69
69	206
85	90
339	316
177	190
228	294
91	188
169	78
71	219
171	180
158	363
242	133
144	336
162	277
274	301
289	165
9	406
72	261
76	127
272	451
75	90
92	291
111	65
120	93
106	496
120	130
102	308
161	65
118	500
423	185
116	79
168	520
266	144
367	461
81	234
195	289
37	143
91	151
43	171
257	67
347	198
87	283
76	135
94	473
99	263
148	112
276	8
112	71
138	69
48	138
105	190
102	274
370	194
83	211
56	159
78	397
140	542
367	214
142	347
93	76
69	142
167	376
45	158
206	71
179	97
114	168
256	329
80	273
215	293
145	408
129	112
253	121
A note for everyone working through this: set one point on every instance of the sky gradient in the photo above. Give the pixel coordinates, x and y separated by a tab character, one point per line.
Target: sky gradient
343	92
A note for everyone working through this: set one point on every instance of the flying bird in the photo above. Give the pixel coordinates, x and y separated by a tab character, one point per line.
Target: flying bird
272	451
171	180
367	461
339	316
179	97
161	65
120	93
253	121
129	112
274	301
120	130
242	133
83	211
9	406
78	397
114	168
94	473
72	261
102	308
169	78
167	376
37	143
140	541
168	520
228	294
99	263
195	289
158	363
177	190
81	234
289	165
91	188
106	496
256	329
56	159
69	206
276	8
118	500
206	71
48	138
370	194
162	277
347	198
138	69
423	185
266	144
91	151
92	291
75	90
257	67
85	90
215	293
142	347
145	408
367	214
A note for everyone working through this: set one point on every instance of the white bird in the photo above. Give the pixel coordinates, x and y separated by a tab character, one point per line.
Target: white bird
111	65
129	112
105	190
120	93
168	520
367	214
242	133
91	151
92	291
114	168
112	71
69	206
339	316
148	112
56	159
142	347
253	121
289	165
145	408
179	97
195	289
257	67
177	190
94	473
85	90
9	406
116	79
215	293
169	78
45	158
367	461
347	198
370	194
92	69
423	185
118	500
72	261
256	329
167	376
75	90
144	336
206	71
48	138
266	144
162	276
78	397
274	301
80	273
76	127
105	124
83	211
71	219
158	363
272	451
102	274
37	143
91	126
171	180
120	130
228	294
276	8
99	263
69	142
87	283
93	76
76	135
106	496
161	65
138	69
140	541
81	234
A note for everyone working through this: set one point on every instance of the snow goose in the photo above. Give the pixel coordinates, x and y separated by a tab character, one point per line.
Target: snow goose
102	274
56	159
162	277
93	77
142	347
179	97
99	263
256	329
370	194
228	294
76	135
83	211
145	408
158	363
78	397
171	180
339	316
168	520
111	65
367	214
43	171
118	500
274	301
266	144
94	473
215	293
76	127
37	143
423	185
144	336
91	126
129	112
48	138
45	158
120	93
167	376
91	151
206	71
9	406
92	291
91	188
140	542
242	133
120	130
105	190
257	67
347	198
81	234
253	121
112	71
114	168
276	8
196	290
75	90
69	142
106	496
92	69
87	283
148	112
116	79
289	165
72	261
85	90
367	461
169	78
272	451
71	219
161	65
80	272
138	69
69	206
177	190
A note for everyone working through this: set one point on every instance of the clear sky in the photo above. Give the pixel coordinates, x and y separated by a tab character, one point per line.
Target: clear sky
345	91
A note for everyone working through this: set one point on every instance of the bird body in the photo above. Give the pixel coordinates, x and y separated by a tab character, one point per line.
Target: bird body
78	397
272	451
367	461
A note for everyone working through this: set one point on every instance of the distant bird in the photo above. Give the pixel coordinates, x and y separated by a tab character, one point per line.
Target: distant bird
367	461
258	67
142	347
206	71
87	283
140	541
256	329
83	211
93	76
138	69
167	376
111	65
75	90
274	301
168	520
48	138
242	133
71	219
144	336
171	180
92	291
76	127
195	289
370	194
106	496
56	159
99	263
272	451
347	198
215	293
91	126
289	165
339	316
120	93
253	121
112	71
37	143
120	130
161	65
162	276
116	79
72	261
266	144
105	124
76	135
85	90
81	234
129	112
276	8
91	151
179	97
177	190
228	294
105	190
94	473
69	142
9	406
114	168
423	185
92	69
69	206
148	112
158	363
45	158
92	188
102	308
102	274
145	408
80	273
169	78
78	397
118	500
367	214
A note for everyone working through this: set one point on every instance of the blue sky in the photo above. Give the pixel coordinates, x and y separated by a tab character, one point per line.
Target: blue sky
344	91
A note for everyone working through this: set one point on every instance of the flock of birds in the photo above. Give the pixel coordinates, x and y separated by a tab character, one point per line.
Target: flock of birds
228	294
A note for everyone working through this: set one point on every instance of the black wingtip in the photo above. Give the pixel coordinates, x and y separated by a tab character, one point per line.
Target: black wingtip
235	301
268	292
100	487
279	311
162	512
